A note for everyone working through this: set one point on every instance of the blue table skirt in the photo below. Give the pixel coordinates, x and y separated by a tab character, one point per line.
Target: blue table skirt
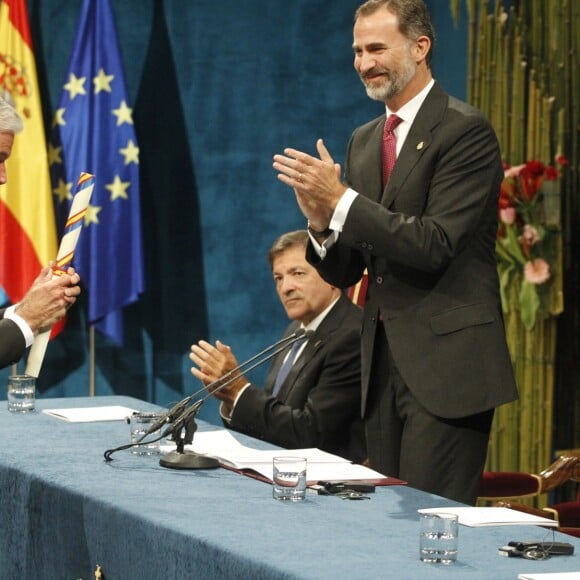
64	510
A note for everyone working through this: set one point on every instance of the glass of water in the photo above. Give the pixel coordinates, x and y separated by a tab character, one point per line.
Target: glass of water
21	393
289	478
140	422
438	540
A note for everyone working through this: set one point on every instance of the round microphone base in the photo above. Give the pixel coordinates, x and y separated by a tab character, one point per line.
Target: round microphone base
188	460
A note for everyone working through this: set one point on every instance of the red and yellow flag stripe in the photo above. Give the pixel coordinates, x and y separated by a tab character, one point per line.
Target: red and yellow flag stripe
27	226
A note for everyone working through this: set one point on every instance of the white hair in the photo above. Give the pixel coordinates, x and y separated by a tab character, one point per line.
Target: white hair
10	121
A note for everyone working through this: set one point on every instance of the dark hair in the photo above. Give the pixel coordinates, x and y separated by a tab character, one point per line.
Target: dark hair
414	18
298	238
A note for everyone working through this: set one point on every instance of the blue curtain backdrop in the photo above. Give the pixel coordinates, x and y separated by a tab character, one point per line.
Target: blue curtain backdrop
217	90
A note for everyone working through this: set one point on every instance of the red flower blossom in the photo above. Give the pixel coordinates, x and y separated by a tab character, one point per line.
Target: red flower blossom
531	179
551	173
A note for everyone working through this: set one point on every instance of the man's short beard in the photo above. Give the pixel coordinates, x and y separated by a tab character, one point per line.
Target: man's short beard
383	93
393	84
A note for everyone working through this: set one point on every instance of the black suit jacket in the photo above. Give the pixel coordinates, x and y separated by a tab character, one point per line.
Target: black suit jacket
12	342
428	241
318	404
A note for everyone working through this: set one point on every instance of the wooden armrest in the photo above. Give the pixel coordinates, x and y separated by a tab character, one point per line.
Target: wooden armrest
543	513
565	468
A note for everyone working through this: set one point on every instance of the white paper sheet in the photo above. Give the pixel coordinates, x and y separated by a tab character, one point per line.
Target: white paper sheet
551	576
90	414
321	466
492	516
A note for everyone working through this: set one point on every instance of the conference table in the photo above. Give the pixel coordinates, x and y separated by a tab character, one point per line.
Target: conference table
64	510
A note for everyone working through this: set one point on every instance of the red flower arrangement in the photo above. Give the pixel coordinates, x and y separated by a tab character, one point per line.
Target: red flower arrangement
525	244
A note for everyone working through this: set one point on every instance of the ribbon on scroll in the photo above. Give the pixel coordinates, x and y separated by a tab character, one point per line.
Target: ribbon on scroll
66	250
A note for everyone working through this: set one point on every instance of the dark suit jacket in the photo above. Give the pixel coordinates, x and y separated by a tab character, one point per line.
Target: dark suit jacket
318	404
12	342
428	241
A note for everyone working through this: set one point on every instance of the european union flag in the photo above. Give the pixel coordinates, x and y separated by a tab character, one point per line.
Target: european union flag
93	131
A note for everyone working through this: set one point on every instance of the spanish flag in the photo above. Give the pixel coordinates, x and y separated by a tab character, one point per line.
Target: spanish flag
27	223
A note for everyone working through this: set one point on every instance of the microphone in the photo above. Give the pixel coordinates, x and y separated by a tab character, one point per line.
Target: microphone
177	410
187	459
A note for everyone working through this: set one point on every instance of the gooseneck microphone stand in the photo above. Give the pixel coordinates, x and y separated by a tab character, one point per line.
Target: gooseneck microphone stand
182	431
181	417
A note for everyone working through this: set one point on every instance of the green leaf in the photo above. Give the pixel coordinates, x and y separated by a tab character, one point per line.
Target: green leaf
504	280
512	245
502	253
529	304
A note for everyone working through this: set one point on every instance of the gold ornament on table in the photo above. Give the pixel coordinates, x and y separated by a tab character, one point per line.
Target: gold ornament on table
529	218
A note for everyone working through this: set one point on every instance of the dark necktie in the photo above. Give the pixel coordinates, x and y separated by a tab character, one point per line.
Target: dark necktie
389	146
287	365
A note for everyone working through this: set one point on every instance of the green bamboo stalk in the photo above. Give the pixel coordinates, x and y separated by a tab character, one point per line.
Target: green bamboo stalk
454	6
530	126
546	129
517	101
472	32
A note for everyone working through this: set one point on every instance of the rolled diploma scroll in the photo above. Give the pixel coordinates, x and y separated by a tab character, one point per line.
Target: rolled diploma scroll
72	231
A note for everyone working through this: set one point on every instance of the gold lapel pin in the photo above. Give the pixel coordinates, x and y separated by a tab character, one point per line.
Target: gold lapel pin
420	145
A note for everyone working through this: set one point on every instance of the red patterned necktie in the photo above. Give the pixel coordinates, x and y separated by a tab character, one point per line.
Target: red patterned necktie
389	146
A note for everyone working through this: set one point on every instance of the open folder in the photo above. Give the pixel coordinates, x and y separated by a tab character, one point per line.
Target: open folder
491	516
257	463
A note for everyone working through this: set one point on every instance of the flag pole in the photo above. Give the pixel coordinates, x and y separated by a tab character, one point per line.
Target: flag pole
92	360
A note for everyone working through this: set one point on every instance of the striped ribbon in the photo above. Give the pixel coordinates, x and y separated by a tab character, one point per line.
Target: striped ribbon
66	250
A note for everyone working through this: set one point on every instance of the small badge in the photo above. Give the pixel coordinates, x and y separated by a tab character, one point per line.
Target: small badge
420	145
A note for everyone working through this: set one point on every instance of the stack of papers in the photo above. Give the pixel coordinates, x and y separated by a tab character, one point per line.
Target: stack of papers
551	576
90	414
491	516
321	466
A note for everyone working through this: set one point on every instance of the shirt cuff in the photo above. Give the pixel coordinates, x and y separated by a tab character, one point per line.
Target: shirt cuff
228	418
336	223
341	210
10	314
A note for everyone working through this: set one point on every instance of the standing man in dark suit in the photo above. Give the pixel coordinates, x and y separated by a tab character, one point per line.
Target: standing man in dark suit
317	404
47	300
435	361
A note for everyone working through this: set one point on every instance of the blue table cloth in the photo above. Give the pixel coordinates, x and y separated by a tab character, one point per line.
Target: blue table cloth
63	510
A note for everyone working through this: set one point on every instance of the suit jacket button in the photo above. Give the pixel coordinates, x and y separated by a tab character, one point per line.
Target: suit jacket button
379	279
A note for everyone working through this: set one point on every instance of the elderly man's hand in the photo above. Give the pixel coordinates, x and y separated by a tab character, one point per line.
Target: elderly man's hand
48	298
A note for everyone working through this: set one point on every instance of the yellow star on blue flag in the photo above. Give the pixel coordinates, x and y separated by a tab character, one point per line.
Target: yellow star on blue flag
93	132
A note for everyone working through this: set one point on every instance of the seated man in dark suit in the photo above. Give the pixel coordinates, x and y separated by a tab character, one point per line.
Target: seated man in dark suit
317	404
47	300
